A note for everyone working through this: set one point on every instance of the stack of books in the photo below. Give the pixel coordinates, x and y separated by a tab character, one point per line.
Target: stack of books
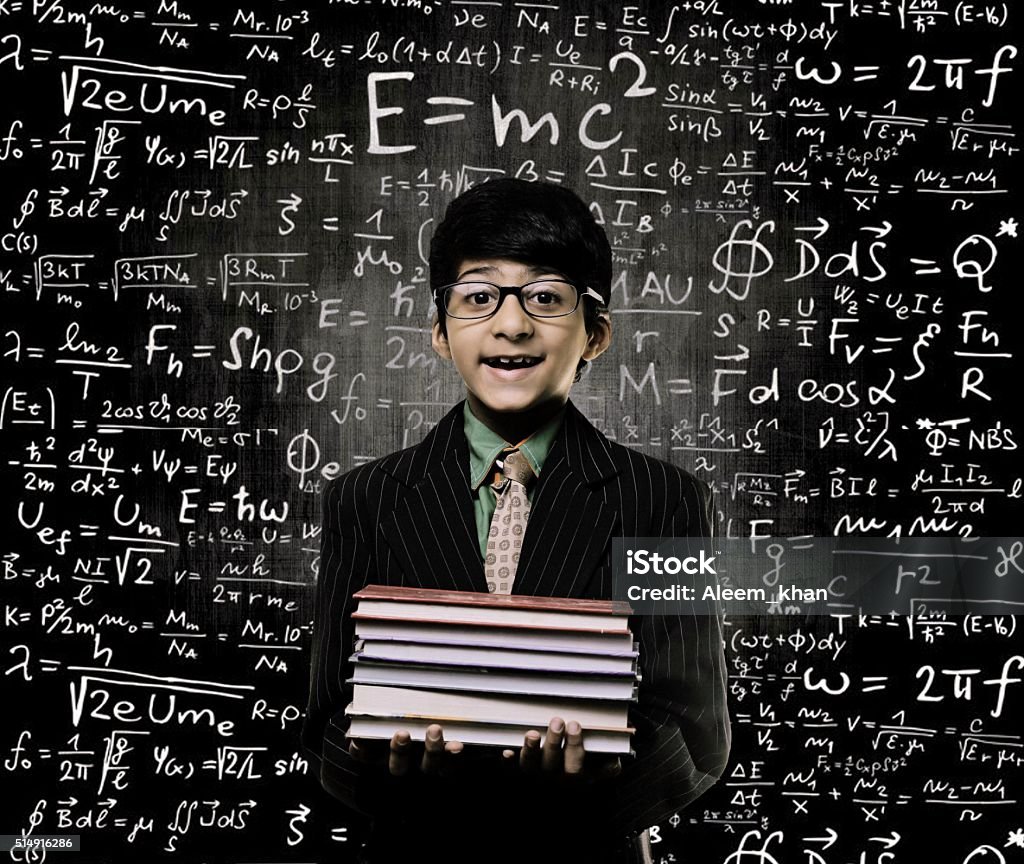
490	667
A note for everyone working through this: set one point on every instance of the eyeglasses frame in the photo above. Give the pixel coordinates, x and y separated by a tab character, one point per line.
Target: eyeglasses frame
517	292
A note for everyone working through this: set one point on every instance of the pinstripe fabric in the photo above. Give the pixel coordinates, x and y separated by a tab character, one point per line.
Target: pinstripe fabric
407	519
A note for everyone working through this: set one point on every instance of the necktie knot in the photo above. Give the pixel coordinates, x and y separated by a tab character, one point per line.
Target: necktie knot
511	464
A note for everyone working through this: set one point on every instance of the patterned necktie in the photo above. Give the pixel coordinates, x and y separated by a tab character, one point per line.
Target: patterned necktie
508	525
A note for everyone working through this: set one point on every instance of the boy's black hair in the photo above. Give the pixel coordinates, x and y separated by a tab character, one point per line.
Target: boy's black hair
536	223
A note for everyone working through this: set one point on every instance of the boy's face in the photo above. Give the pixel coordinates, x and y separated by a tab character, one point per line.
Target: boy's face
557	344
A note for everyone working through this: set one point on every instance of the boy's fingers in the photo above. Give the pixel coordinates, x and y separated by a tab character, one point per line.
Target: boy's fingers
363	751
451	762
574	753
551	752
398	757
433	749
509	761
529	756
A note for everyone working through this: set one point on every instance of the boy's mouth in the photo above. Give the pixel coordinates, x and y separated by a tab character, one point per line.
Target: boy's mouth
512	361
511	367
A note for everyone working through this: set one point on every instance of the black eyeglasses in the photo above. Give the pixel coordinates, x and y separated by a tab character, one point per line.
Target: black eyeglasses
545	298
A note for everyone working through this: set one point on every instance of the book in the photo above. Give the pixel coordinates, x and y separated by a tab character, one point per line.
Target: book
498	637
485	680
490	667
488	616
482	708
571	605
496	657
595	739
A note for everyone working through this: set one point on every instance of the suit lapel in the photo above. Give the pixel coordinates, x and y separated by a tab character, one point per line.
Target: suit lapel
432	531
569	523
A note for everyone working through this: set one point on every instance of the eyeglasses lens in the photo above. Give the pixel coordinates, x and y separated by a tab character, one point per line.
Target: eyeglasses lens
547	299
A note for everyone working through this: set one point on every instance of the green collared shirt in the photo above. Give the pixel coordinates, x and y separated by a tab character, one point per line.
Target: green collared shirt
484	447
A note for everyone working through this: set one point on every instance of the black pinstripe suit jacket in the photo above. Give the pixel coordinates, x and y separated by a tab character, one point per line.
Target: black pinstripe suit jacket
407	519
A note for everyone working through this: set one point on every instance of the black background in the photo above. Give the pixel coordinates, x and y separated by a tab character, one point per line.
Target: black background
119	594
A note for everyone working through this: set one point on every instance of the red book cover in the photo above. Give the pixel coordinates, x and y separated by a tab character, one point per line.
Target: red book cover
513	601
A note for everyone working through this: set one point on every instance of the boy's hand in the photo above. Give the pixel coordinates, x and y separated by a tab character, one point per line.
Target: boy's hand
436	759
552	759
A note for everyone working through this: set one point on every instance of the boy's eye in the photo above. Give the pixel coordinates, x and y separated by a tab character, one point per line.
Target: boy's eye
548	293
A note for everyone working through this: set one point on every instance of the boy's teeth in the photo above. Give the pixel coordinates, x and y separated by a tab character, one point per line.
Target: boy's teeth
509	363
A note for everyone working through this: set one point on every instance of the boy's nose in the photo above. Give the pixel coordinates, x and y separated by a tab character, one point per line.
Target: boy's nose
510	318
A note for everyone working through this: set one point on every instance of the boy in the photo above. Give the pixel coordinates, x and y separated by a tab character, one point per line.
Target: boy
515	491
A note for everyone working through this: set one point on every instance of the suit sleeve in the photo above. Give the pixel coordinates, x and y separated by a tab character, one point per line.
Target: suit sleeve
345	566
683	733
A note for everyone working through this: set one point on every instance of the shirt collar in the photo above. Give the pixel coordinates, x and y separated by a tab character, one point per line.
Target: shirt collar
485	445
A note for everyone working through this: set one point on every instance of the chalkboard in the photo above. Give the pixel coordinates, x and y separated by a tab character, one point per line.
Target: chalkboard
213	247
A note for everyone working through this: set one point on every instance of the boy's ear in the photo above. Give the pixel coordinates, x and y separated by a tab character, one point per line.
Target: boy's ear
438	339
599	338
